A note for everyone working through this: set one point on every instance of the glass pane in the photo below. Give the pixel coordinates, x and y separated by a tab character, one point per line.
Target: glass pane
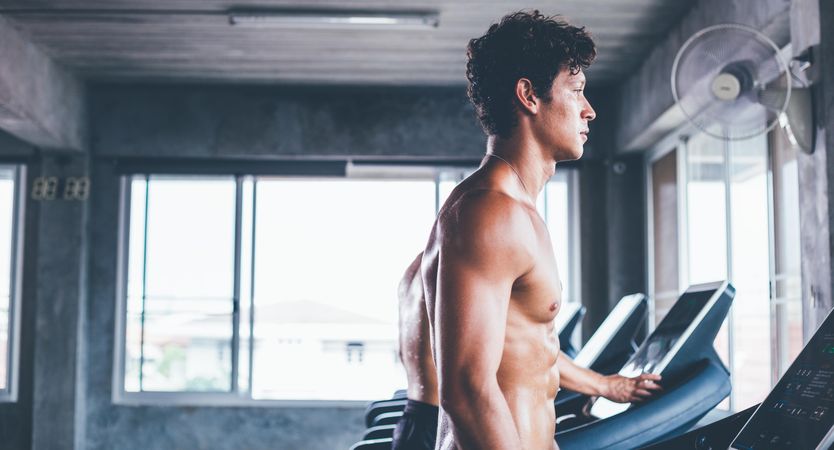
179	327
448	179
4	342
444	189
7	183
187	351
557	218
665	233
190	235
135	270
750	270
247	245
722	347
706	221
787	292
329	255
706	200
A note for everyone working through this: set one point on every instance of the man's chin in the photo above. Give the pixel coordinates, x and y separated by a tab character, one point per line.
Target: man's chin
572	154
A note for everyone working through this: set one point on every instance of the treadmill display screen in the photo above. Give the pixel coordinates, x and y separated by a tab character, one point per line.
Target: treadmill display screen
656	348
664	337
612	324
799	412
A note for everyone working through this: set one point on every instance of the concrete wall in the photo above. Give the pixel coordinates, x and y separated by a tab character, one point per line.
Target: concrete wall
13	148
153	121
612	216
816	171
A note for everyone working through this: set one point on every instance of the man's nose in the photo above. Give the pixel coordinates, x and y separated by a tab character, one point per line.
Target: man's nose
588	112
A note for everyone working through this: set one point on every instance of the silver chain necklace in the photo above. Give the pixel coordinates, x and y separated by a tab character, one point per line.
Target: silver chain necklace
513	169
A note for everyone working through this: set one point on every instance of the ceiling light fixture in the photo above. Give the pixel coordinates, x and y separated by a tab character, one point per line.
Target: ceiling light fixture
334	18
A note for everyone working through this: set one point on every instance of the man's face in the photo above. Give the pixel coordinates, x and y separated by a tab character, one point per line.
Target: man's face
565	117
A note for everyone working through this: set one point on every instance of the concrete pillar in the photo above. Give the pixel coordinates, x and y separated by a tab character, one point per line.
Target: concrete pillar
60	274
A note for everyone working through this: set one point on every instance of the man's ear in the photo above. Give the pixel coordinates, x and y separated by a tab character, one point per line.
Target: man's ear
526	97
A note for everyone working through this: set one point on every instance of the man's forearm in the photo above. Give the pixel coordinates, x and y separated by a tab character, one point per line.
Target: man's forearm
579	379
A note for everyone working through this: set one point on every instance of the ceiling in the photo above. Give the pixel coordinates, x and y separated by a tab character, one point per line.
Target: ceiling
192	40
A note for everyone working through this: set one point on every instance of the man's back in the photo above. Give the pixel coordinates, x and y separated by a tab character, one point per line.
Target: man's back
492	282
415	339
417	428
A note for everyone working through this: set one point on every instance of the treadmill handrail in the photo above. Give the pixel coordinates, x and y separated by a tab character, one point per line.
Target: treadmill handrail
677	409
604	408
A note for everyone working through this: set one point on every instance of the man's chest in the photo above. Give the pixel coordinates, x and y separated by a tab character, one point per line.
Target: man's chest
539	292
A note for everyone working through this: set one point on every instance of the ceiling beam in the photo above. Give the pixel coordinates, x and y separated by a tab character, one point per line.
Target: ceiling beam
41	103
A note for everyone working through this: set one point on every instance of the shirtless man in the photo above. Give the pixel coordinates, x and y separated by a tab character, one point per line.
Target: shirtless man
417	428
491	282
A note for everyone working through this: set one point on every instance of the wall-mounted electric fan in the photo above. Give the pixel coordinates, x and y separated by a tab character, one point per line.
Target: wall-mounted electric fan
727	80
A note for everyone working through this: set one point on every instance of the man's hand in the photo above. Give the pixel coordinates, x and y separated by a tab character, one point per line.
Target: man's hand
620	389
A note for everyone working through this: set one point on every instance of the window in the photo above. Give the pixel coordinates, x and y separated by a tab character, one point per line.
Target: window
328	257
180	285
559	207
11	206
248	288
710	217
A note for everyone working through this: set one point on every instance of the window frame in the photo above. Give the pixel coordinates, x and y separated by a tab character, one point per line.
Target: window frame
675	143
9	394
234	396
679	142
244	397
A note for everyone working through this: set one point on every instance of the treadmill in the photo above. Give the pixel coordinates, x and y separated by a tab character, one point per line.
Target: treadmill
381	412
797	414
610	346
694	378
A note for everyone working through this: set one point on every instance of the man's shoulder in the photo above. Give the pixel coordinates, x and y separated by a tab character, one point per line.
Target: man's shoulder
483	203
488	213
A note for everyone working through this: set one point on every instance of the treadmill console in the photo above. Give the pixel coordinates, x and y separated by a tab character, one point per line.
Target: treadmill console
799	412
663	344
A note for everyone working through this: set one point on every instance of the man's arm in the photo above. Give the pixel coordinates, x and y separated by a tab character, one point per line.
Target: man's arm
482	255
615	387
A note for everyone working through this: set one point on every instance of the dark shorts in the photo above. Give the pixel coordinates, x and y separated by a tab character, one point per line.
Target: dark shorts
417	428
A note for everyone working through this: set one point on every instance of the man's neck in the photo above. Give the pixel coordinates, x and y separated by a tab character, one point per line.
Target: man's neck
532	165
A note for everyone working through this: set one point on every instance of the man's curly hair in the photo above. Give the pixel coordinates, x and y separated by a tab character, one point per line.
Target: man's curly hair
522	45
